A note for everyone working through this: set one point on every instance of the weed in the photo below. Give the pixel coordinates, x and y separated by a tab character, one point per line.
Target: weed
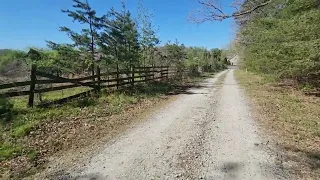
22	130
5	109
32	154
85	102
8	150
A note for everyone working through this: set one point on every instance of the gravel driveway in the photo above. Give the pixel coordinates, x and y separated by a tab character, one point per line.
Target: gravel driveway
207	133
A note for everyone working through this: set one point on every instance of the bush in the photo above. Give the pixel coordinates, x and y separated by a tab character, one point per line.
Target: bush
85	102
6	108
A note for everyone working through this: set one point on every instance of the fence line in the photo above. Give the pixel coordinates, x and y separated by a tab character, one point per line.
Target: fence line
133	76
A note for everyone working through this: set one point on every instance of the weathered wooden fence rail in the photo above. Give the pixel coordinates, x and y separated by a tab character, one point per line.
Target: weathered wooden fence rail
102	80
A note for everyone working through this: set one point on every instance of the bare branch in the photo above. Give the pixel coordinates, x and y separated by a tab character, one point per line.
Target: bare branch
251	10
211	11
210	4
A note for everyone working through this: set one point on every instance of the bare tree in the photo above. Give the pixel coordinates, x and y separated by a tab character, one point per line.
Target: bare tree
215	10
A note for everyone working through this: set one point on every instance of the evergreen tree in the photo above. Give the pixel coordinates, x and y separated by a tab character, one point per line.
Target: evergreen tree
148	38
87	41
176	54
121	38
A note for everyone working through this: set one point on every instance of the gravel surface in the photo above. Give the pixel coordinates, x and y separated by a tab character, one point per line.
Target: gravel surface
207	133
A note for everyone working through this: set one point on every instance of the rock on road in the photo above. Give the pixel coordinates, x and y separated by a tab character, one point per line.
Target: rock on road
207	133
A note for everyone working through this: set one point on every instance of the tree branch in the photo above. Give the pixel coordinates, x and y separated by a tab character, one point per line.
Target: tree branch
212	12
251	10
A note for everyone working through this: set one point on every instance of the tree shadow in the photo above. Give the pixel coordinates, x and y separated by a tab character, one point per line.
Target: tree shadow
164	88
186	89
92	176
312	158
65	176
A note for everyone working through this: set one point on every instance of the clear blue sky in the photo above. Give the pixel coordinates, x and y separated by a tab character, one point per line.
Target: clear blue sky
29	23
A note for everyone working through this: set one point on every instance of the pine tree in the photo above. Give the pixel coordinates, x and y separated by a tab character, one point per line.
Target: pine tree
176	53
87	41
121	37
148	38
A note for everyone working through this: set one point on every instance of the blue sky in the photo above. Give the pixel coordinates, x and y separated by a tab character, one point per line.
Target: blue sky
29	23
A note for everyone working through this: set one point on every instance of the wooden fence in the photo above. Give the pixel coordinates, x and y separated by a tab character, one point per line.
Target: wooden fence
95	83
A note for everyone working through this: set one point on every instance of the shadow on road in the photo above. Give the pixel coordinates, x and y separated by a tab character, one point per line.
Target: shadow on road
92	176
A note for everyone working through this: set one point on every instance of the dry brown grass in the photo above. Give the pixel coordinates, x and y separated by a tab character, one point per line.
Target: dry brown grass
292	120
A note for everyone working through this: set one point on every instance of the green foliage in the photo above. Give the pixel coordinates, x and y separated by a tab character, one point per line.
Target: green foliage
148	37
85	102
32	155
8	56
119	39
286	43
23	130
6	108
175	54
9	150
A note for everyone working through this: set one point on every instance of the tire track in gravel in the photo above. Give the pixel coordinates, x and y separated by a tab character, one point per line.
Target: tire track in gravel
190	161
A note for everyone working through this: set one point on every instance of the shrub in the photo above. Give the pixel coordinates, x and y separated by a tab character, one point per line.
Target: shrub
6	108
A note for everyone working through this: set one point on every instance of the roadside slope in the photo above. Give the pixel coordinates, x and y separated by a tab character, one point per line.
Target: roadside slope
289	119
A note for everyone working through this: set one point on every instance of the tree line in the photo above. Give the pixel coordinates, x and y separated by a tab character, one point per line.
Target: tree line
275	37
283	38
117	40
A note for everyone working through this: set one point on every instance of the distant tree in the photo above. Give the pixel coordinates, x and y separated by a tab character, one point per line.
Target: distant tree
176	54
8	56
148	39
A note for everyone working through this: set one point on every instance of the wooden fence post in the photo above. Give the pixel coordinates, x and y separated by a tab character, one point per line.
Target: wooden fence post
153	72
117	76
146	78
92	73
167	72
99	79
132	76
33	78
161	73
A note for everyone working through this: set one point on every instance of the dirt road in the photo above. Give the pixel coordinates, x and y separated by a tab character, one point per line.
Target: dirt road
207	133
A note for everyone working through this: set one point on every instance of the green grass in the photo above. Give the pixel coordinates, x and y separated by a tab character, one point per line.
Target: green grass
8	150
54	95
32	154
23	129
26	119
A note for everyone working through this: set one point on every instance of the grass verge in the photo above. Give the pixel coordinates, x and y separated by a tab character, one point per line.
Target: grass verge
290	117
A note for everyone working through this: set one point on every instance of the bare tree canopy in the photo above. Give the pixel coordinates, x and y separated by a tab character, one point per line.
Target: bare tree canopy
215	10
